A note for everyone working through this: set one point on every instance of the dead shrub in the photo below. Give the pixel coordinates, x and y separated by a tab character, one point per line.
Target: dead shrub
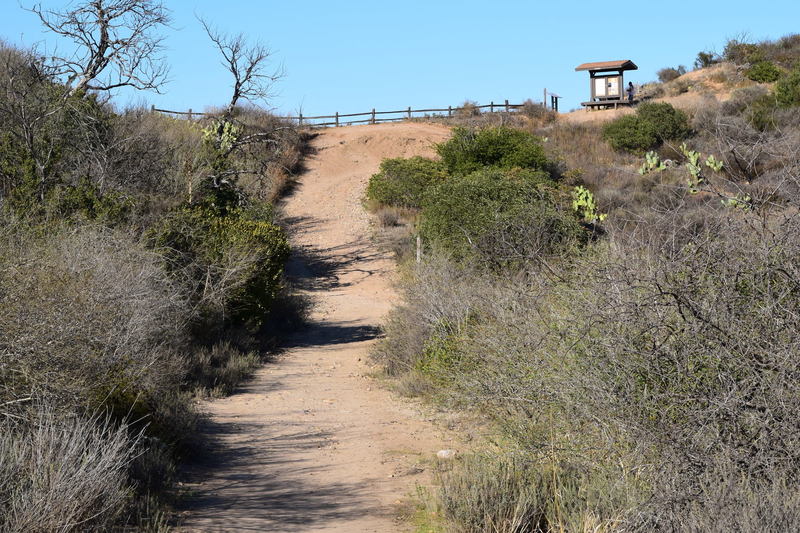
215	371
388	217
468	109
92	317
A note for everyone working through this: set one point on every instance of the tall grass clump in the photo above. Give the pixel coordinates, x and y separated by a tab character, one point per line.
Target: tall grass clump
63	474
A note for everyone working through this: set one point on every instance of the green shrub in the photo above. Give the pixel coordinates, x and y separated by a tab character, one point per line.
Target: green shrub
652	124
234	262
761	112
501	147
86	201
402	182
787	90
498	216
663	120
630	134
763	72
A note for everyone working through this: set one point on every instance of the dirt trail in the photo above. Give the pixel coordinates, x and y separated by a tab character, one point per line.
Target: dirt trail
312	443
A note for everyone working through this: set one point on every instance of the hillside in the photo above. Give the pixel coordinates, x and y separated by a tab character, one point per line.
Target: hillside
687	91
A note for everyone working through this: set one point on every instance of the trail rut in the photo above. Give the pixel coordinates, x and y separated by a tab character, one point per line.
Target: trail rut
312	443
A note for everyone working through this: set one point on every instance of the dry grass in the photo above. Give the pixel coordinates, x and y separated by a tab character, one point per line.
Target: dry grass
63	474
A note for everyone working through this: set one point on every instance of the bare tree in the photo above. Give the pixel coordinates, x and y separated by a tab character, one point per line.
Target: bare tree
117	44
248	65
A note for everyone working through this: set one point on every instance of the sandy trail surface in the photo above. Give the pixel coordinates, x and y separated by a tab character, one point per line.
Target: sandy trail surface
312	443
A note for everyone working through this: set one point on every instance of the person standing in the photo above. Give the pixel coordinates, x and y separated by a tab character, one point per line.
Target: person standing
630	90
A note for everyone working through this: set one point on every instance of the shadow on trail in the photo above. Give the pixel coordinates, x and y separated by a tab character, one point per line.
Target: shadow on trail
251	500
332	333
322	269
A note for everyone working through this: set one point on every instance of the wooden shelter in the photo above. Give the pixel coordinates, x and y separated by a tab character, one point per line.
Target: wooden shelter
607	83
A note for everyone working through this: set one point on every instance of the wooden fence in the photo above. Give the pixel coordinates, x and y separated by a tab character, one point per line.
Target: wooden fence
370	117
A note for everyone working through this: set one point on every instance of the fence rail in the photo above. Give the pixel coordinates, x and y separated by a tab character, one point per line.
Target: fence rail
345	119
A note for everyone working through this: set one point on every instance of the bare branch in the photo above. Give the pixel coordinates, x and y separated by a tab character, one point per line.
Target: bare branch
248	65
117	44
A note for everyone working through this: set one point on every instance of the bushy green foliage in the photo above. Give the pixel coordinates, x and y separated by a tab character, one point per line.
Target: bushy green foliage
628	133
469	150
763	72
234	261
403	182
86	201
761	112
652	124
787	90
490	213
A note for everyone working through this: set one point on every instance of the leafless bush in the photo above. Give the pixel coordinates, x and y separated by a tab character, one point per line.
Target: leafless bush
439	299
388	217
538	113
468	109
62	474
89	315
669	351
751	154
726	501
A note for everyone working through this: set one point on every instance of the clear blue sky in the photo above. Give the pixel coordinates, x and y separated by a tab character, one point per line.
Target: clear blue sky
351	56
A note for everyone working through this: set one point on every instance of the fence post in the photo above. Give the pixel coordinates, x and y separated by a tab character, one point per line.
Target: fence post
409	112
449	111
373	115
491	107
300	119
337	119
507	110
544	99
153	108
190	113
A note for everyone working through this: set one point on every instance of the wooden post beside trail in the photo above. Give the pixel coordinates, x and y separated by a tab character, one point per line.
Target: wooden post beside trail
337	119
190	113
449	111
491	107
300	119
544	99
409	112
152	108
507	106
373	115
